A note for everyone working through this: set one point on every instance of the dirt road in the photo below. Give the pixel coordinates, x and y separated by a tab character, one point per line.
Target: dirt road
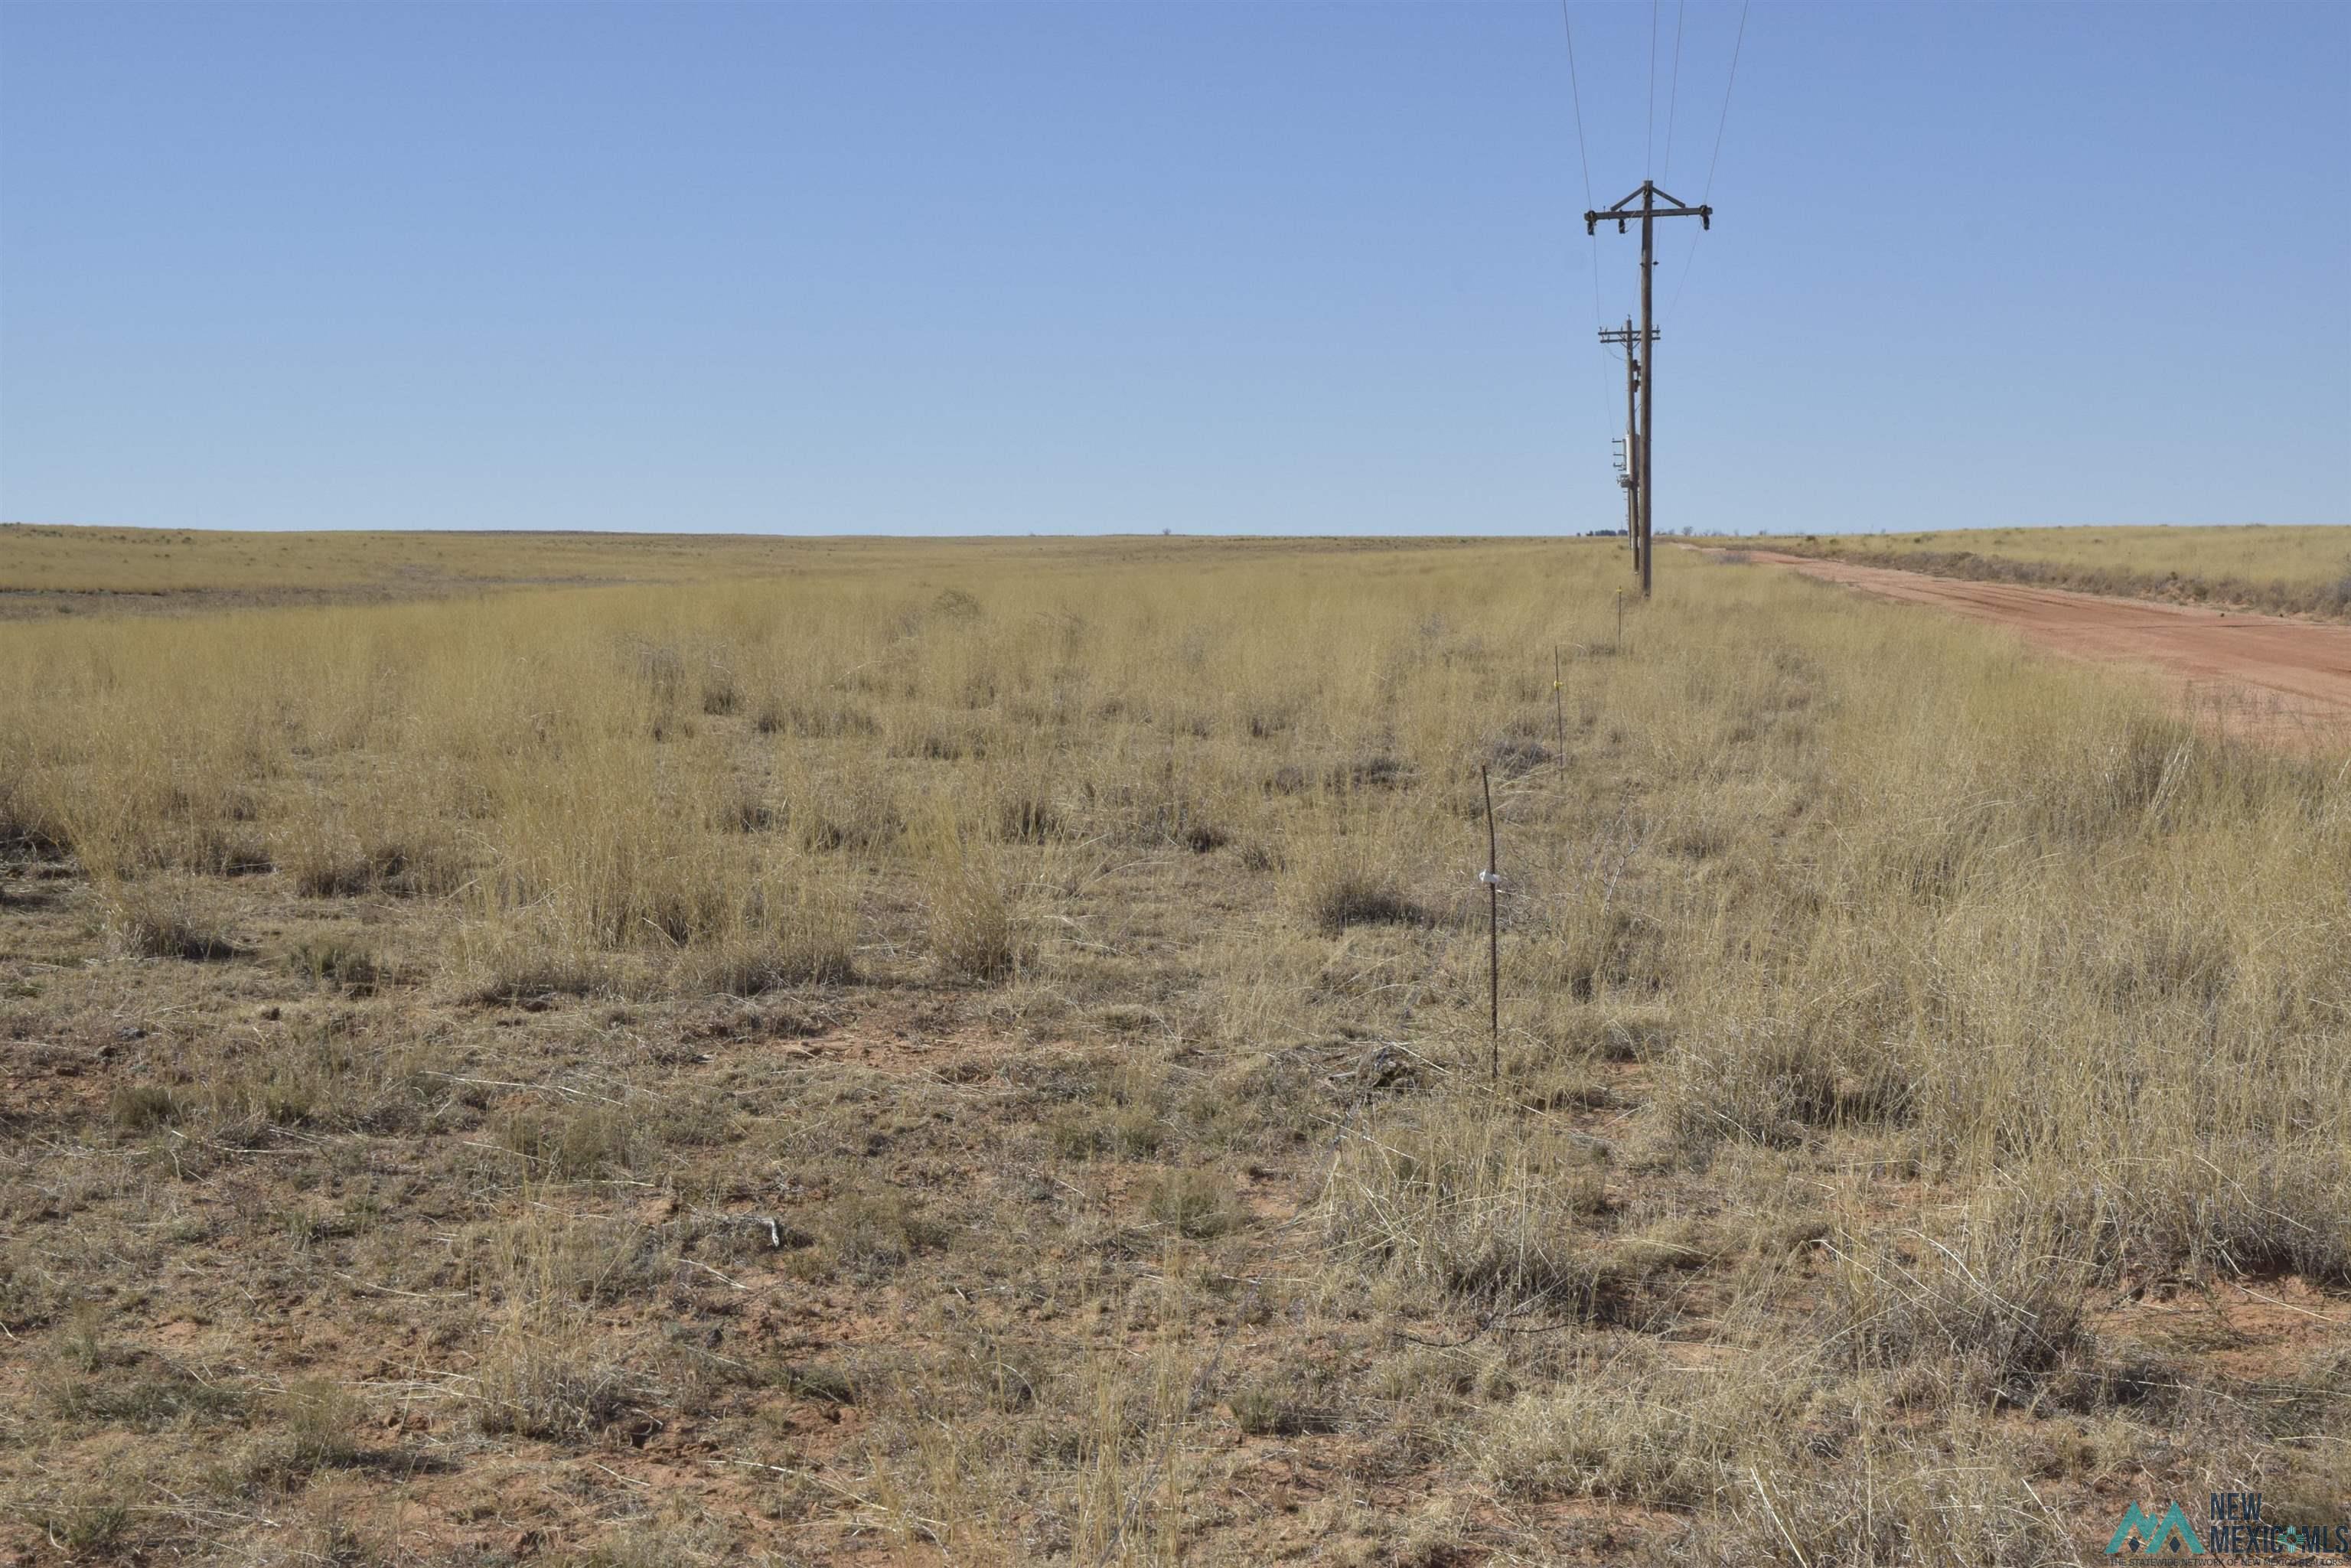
2258	674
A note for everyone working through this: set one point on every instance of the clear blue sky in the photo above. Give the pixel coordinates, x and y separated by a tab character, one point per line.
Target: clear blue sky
997	267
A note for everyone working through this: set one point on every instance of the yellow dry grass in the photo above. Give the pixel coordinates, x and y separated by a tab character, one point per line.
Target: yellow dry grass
1876	1029
208	565
2311	557
79	559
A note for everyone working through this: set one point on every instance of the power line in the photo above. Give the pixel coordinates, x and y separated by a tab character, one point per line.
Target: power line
1649	155
1584	157
1674	93
1737	44
1688	256
1577	93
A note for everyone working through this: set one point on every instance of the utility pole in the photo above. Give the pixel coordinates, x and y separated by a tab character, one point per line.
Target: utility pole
1620	450
1631	478
1648	212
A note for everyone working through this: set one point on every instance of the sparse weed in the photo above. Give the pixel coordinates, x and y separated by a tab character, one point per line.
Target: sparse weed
552	1383
334	962
141	1107
161	919
1472	1204
1195	1204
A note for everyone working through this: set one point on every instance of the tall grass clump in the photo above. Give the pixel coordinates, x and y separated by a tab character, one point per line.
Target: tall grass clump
979	928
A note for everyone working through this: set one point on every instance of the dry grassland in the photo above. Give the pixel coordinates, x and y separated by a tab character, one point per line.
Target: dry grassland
60	570
2279	571
164	562
978	1054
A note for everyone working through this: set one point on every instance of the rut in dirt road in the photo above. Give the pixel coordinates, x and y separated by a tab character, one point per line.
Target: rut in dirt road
2288	679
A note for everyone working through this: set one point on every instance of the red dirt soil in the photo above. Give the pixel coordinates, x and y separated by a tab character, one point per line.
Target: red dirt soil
2259	674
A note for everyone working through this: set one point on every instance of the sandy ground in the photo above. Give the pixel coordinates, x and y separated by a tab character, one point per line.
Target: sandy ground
2256	672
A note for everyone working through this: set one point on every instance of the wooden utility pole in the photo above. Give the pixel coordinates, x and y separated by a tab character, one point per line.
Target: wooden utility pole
1631	478
1623	449
1648	212
1632	444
